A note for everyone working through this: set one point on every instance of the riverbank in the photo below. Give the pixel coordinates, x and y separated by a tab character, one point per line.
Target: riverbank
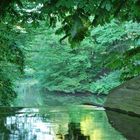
125	98
29	94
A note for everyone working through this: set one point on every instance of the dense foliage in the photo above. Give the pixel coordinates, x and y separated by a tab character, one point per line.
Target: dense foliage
108	54
121	44
61	68
99	64
76	16
11	62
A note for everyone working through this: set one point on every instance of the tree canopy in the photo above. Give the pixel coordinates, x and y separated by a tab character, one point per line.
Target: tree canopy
106	34
99	64
76	16
11	62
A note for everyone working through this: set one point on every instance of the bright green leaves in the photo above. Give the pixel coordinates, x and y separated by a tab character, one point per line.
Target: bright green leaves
74	15
121	41
106	83
63	69
109	33
111	45
109	54
60	67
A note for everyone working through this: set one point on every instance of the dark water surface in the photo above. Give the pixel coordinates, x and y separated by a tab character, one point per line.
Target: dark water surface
66	123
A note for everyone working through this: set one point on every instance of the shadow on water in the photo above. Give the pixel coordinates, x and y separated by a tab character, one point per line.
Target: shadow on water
129	126
57	123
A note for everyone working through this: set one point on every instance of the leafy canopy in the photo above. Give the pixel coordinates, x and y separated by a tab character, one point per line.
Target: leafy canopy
63	69
76	16
11	61
114	45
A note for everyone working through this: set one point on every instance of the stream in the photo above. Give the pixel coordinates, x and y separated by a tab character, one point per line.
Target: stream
39	116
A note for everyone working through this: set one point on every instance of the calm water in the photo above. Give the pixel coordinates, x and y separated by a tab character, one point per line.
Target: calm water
62	117
66	123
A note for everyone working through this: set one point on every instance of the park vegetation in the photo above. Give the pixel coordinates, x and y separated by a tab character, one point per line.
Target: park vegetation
74	46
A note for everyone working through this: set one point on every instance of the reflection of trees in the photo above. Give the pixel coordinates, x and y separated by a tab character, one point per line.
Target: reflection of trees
95	125
83	123
74	132
10	128
22	127
3	129
77	124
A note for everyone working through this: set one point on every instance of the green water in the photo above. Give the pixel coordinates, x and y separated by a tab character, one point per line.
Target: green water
29	95
43	116
57	123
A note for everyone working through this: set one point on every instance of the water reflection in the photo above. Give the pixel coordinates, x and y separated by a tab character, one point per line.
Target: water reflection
129	126
59	123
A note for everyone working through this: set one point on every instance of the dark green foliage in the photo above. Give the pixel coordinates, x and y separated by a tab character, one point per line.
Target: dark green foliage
120	42
6	91
76	16
11	62
112	46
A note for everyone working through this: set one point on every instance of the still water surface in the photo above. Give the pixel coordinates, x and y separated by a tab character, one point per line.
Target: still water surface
62	123
62	117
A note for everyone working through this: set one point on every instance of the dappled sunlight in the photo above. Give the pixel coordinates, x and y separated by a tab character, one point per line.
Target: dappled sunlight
97	129
97	135
60	124
87	125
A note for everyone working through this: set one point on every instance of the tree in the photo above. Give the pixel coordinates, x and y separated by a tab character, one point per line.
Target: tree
121	44
75	19
63	69
76	16
11	62
97	65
